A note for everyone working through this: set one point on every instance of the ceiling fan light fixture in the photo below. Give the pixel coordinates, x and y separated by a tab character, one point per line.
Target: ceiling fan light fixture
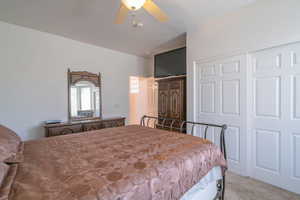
133	4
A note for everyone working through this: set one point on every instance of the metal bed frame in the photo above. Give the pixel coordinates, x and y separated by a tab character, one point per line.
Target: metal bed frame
168	123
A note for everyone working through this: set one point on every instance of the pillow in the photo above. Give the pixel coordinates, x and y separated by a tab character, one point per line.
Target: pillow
9	144
3	172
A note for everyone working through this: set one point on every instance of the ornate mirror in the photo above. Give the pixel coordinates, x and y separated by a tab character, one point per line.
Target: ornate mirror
84	92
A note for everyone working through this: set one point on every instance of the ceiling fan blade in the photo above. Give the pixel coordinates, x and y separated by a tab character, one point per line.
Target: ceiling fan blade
123	11
155	11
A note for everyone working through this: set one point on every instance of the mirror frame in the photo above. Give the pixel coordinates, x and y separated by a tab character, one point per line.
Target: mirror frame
77	76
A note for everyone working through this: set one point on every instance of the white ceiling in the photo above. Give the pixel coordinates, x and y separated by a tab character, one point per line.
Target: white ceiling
92	21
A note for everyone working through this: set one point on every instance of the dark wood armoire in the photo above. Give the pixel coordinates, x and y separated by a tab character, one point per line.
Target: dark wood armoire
172	98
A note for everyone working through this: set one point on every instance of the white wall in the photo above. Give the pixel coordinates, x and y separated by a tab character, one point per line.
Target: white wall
33	77
260	25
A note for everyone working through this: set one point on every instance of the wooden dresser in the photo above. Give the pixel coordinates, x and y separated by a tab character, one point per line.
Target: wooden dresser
82	126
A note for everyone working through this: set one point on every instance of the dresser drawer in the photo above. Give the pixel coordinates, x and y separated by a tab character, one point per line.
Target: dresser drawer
64	130
113	123
93	126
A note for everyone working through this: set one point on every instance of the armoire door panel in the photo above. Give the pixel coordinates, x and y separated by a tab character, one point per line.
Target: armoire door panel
176	100
175	103
163	99
163	104
171	98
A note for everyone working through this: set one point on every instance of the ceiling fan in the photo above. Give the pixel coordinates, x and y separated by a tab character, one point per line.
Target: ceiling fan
134	5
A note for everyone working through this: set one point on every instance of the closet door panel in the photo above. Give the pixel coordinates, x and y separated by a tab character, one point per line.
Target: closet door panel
275	116
221	97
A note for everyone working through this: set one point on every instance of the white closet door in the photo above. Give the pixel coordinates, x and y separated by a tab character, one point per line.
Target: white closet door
276	116
220	97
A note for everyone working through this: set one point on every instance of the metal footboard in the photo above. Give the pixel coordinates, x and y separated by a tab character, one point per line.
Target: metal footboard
183	127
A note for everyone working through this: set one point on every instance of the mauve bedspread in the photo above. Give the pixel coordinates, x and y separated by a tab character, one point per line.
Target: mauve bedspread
126	163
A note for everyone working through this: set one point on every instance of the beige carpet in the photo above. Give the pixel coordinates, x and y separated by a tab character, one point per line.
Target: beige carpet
244	188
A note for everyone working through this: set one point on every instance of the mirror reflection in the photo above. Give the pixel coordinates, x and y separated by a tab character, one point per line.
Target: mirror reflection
85	100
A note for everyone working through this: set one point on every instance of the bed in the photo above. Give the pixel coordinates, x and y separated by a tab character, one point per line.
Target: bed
133	162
